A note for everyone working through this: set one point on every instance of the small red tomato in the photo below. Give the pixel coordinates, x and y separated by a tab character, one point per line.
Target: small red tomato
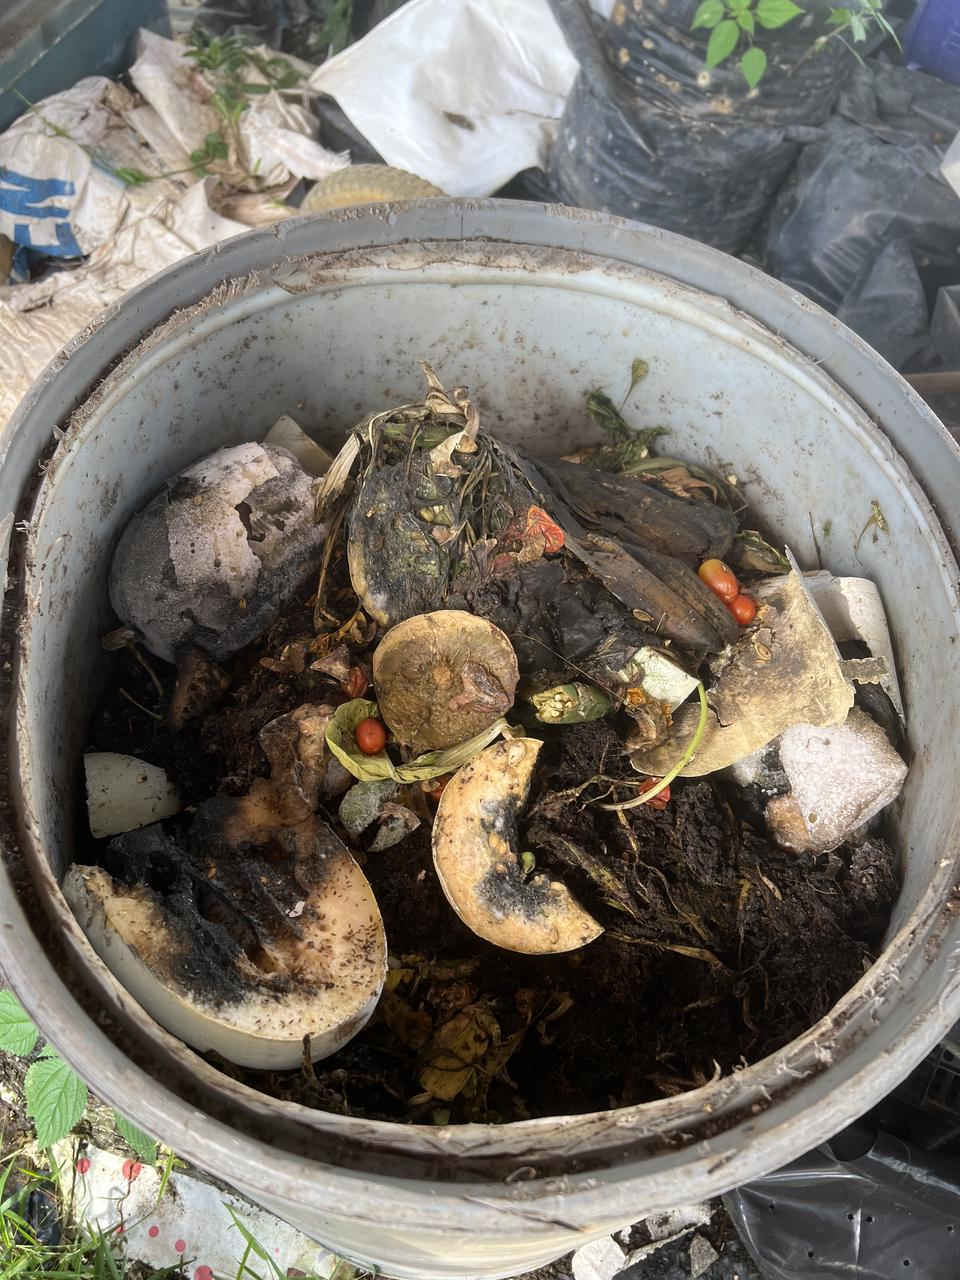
743	609
437	790
659	801
721	579
370	736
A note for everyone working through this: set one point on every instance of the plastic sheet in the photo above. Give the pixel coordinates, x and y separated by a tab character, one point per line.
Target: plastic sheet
273	137
867	221
466	95
649	133
893	1210
887	306
40	317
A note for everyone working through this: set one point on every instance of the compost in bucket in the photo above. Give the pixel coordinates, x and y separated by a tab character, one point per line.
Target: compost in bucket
453	785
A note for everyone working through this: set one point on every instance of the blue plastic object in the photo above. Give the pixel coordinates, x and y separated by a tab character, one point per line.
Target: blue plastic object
48	45
932	39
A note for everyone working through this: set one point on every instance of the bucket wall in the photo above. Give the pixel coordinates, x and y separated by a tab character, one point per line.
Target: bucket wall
531	308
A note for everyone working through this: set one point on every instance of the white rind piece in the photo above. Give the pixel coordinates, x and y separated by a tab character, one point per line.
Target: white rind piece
853	610
216	554
661	678
840	776
321	979
124	793
480	872
287	434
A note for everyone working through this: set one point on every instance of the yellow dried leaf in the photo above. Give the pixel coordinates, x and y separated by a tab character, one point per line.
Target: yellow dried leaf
412	1027
771	886
451	1058
397	978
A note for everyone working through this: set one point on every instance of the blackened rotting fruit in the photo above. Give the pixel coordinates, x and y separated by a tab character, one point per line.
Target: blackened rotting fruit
443	677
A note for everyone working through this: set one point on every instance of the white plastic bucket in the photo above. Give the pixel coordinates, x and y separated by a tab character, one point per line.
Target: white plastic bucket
531	307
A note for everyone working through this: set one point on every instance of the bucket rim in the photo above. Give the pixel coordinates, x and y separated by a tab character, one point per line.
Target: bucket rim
640	1153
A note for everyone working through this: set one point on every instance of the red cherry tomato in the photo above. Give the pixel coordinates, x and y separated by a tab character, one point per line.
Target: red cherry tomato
438	788
743	609
721	579
370	736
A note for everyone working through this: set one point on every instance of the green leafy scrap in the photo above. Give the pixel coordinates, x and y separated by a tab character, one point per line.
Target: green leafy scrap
342	742
877	522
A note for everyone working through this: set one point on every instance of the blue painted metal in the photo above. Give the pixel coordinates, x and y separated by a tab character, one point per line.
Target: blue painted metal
932	39
48	45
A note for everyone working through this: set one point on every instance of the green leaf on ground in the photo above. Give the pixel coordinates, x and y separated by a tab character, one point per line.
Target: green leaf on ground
753	64
777	13
142	1143
18	1035
56	1097
708	14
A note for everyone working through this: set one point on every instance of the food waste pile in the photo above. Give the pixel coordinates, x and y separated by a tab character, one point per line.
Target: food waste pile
438	783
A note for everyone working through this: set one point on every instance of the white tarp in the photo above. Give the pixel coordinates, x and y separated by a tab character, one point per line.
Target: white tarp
61	194
272	141
57	193
37	319
464	94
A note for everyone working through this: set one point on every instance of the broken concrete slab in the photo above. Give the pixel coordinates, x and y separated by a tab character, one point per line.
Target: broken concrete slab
702	1256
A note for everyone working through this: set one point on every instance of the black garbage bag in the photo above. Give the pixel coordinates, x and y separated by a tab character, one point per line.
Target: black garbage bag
308	29
892	1210
34	1197
650	134
866	225
887	306
285	25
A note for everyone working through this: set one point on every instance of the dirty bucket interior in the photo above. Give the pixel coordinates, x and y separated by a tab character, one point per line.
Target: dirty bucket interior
328	336
529	339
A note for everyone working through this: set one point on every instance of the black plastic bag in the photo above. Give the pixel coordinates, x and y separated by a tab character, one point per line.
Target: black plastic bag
281	24
35	1199
887	306
866	225
893	1210
650	134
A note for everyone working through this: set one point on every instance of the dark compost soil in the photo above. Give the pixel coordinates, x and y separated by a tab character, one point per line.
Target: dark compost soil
719	946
